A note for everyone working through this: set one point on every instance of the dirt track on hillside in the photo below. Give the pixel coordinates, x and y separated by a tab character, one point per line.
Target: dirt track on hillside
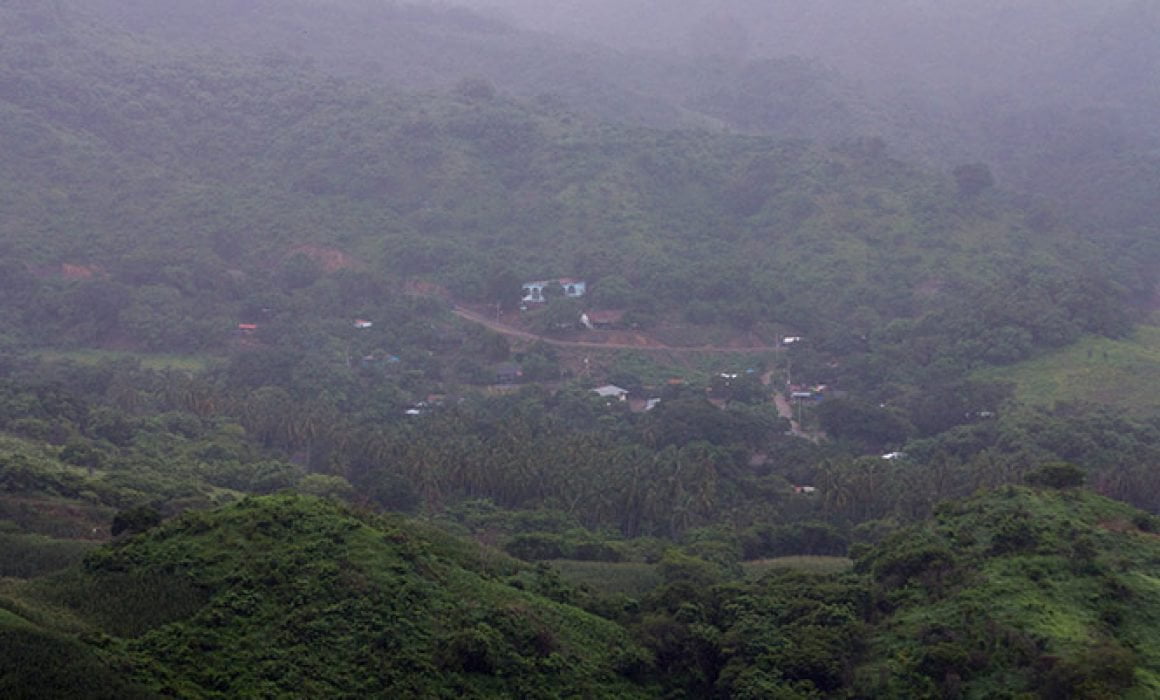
644	343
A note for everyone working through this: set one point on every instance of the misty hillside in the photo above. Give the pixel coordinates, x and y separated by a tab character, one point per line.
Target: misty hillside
188	181
432	46
1058	99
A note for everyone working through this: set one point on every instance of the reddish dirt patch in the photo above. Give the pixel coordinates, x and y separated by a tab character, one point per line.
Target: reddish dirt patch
1124	526
329	259
78	272
58	518
70	271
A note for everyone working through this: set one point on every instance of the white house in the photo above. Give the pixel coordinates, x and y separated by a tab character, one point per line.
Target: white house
573	288
611	391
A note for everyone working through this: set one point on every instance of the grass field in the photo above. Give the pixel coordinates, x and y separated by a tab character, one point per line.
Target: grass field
808	564
192	363
1123	373
629	578
637	578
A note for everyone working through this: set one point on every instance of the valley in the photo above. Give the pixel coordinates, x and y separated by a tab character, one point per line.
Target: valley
481	350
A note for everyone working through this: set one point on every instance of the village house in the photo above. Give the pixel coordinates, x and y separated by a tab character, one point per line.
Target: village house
611	391
602	320
643	405
534	291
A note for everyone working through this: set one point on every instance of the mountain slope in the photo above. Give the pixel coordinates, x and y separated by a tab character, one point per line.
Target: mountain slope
1051	591
289	596
183	184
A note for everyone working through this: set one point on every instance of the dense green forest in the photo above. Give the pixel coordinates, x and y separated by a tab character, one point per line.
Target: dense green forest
257	436
1020	590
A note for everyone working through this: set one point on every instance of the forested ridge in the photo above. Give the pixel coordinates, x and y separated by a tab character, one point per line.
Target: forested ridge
235	404
1048	591
194	184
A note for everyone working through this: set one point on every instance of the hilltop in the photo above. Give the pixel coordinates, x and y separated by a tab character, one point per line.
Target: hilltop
1050	591
292	596
1013	591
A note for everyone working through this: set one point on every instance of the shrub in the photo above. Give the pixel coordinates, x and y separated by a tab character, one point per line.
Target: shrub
536	546
135	520
1056	475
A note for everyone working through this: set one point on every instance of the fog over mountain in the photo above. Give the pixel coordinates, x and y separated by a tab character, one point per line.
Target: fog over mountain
579	348
1058	98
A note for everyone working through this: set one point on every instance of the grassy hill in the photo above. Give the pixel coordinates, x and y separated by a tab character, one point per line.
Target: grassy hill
1123	373
291	596
1049	591
1054	592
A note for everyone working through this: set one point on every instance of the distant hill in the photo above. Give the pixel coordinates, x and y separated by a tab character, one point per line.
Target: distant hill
186	185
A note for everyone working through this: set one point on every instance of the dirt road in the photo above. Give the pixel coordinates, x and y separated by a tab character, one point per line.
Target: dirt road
649	346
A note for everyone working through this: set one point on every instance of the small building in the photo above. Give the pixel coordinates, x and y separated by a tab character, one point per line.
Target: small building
791	340
611	391
642	405
247	328
508	373
602	320
360	323
534	291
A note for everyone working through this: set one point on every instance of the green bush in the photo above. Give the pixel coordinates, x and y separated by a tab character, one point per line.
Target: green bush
1057	475
25	556
537	546
135	520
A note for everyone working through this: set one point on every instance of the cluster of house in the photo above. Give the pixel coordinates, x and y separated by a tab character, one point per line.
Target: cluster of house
593	320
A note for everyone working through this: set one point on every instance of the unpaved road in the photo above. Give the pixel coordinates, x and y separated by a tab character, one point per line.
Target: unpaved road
651	346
